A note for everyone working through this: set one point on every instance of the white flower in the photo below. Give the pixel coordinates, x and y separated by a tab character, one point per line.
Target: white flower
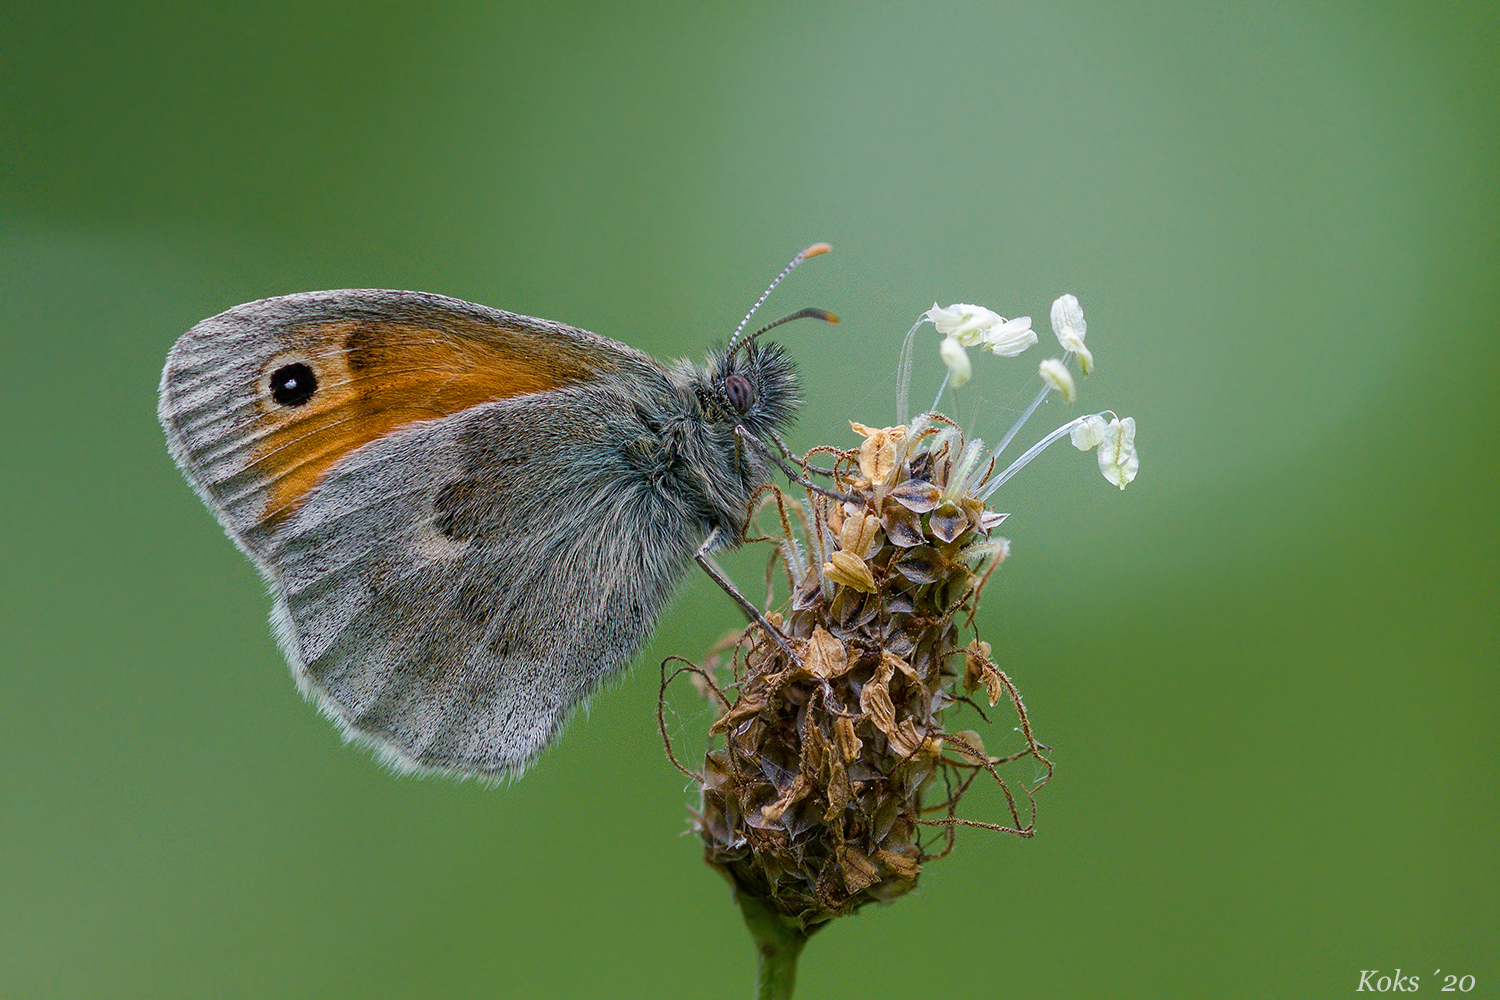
1010	337
1115	440
1088	433
1068	324
1056	374
1117	456
963	322
957	360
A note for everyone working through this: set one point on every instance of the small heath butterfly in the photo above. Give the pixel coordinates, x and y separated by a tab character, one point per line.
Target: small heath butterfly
469	519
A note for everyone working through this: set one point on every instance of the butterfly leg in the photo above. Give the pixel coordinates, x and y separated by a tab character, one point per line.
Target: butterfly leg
717	575
788	454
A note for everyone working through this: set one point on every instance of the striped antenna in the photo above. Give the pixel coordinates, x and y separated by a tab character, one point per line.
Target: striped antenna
809	312
815	250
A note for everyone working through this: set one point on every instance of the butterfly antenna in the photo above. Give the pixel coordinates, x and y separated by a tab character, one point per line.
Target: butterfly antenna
815	250
810	312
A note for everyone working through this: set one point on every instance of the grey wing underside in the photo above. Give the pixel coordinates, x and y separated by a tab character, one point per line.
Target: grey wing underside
449	593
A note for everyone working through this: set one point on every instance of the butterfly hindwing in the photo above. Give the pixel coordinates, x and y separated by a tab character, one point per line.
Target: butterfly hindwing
445	595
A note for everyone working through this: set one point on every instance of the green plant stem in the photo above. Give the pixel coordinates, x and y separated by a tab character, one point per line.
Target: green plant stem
777	944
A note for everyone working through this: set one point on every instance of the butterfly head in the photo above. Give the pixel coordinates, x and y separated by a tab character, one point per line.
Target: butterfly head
755	385
755	388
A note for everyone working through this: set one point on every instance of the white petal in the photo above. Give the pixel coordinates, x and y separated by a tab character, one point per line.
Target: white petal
957	360
1056	374
1117	455
1010	337
1067	317
1089	433
938	315
963	321
1069	325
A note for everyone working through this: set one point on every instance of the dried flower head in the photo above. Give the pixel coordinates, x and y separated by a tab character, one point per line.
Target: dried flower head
836	766
835	761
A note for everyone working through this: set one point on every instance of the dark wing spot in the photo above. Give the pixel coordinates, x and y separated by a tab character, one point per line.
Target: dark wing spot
293	384
460	513
362	348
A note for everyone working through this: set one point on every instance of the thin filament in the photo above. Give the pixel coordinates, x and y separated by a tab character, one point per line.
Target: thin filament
903	374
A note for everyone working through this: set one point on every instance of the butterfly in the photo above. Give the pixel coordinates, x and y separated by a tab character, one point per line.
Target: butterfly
469	519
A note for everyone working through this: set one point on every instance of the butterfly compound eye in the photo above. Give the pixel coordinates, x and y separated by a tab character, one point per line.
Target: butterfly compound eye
740	392
293	385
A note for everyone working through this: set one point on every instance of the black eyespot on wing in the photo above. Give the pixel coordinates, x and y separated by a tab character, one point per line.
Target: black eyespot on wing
740	391
293	384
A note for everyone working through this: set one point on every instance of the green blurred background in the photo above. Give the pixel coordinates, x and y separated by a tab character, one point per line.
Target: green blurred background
1267	668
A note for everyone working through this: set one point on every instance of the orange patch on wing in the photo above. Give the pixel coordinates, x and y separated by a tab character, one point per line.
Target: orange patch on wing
375	376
